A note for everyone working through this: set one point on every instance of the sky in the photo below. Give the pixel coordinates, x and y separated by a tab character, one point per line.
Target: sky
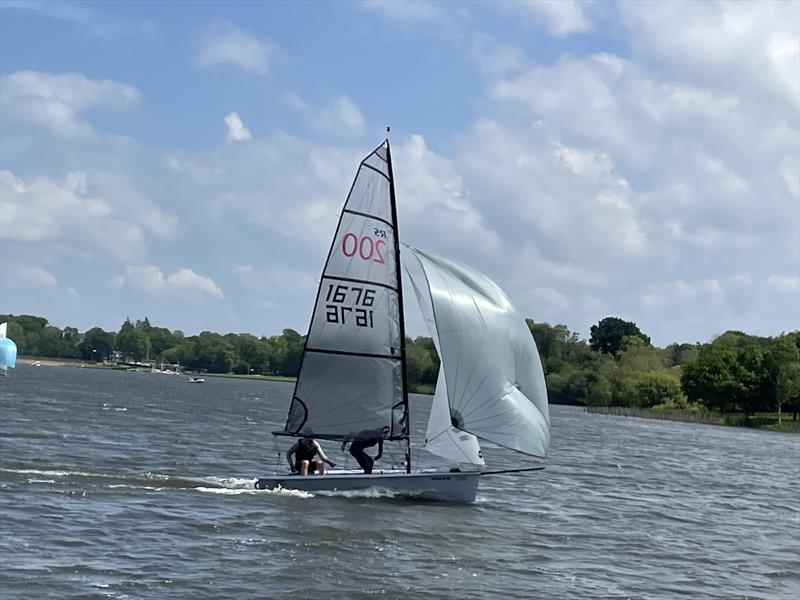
187	161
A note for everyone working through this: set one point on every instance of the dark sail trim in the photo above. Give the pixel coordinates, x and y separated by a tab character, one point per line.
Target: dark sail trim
345	353
305	411
399	275
378	171
368	216
364	281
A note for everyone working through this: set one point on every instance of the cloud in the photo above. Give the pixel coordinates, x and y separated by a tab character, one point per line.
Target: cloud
561	17
227	44
755	51
183	282
342	118
783	283
236	129
97	211
57	101
37	276
493	57
409	11
105	27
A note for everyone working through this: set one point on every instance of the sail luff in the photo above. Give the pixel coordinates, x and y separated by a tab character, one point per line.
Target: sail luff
399	278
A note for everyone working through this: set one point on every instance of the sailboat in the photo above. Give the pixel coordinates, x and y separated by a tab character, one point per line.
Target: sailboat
8	351
352	380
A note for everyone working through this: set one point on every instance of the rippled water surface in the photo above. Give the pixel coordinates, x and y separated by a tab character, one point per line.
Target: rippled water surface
138	485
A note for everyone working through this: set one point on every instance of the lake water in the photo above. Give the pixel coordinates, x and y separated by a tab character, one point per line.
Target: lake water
138	485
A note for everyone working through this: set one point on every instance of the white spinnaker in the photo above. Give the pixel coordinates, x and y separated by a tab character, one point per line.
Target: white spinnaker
494	378
441	438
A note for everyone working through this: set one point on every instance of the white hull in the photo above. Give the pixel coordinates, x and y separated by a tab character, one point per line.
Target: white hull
433	485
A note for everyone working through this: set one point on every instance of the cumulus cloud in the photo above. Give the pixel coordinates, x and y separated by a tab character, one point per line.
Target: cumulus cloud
341	118
493	57
410	11
561	17
100	210
183	282
37	277
105	26
735	45
236	129
227	44
57	102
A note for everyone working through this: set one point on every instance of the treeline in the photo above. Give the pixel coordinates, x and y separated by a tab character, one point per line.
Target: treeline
617	366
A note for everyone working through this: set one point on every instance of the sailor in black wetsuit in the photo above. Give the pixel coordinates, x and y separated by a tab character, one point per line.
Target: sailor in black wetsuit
365	461
304	451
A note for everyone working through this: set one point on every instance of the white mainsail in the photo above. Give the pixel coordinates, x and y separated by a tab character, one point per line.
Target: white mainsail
351	383
493	375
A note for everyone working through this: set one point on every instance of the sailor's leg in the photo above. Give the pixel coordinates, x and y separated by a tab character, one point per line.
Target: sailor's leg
303	467
320	467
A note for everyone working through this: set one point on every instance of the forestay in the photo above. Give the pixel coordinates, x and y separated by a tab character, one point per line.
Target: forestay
351	384
493	375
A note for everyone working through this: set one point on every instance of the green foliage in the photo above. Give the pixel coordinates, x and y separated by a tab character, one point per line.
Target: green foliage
736	373
608	335
422	362
242	368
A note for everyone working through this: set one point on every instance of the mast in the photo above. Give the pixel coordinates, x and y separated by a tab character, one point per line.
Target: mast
399	276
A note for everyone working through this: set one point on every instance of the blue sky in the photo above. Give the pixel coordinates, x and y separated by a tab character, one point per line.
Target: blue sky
186	161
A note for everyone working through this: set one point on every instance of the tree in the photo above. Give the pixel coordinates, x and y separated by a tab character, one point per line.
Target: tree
784	360
608	335
97	344
133	343
713	379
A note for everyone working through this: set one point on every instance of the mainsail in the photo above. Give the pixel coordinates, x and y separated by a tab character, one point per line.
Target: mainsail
351	383
493	375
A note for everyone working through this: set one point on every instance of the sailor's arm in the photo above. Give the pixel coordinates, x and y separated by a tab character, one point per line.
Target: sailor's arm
289	456
322	454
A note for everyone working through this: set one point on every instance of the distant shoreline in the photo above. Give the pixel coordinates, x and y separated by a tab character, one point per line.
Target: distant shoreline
763	421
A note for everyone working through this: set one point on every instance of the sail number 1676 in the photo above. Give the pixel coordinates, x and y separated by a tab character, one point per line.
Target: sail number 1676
337	311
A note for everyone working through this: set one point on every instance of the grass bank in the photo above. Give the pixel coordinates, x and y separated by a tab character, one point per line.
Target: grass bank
763	420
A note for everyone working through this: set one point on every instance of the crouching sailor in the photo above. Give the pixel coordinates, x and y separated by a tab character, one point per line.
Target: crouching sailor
304	462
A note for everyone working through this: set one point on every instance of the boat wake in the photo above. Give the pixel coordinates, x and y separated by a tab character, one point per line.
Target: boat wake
136	481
